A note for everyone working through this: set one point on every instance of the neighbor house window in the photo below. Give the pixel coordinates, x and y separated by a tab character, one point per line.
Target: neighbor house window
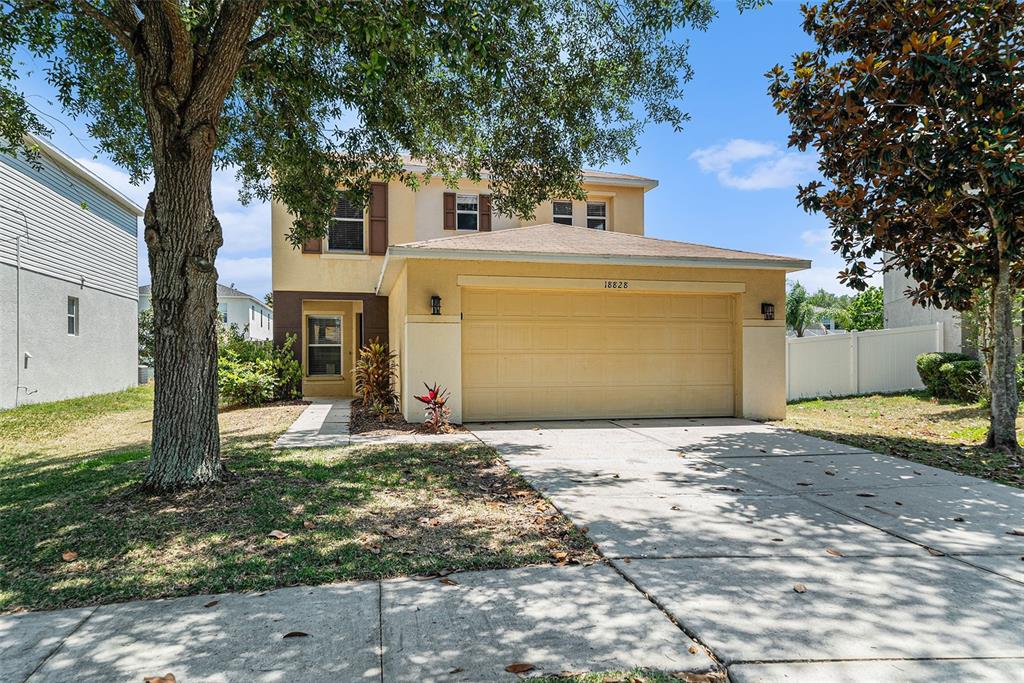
73	316
323	342
346	230
597	215
561	212
467	211
222	311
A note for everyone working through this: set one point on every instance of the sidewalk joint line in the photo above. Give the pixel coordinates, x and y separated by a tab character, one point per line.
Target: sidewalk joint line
380	627
59	645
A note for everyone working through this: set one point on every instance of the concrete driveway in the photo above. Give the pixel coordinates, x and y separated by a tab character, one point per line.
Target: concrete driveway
790	557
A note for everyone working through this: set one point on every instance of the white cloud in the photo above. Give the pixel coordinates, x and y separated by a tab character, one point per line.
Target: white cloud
752	165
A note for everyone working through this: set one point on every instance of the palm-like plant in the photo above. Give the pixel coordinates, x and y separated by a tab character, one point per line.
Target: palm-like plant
374	374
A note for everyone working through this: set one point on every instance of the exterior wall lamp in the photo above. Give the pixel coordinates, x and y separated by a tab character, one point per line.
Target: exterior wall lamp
768	311
435	305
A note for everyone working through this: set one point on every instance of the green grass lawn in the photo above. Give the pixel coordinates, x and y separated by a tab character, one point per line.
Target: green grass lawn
913	426
76	528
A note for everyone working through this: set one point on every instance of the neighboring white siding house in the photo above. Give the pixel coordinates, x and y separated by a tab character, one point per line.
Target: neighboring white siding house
901	312
252	317
68	314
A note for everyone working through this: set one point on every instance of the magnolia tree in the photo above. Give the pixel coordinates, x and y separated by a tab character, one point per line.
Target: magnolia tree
915	109
325	94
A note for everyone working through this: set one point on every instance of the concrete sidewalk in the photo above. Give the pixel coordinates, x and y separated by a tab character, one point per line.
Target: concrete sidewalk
905	572
467	628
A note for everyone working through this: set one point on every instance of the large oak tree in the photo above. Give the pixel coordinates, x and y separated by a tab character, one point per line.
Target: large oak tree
325	94
916	110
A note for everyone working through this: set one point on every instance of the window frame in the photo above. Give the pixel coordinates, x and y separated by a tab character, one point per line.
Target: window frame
459	212
222	312
362	223
340	346
556	216
603	219
74	314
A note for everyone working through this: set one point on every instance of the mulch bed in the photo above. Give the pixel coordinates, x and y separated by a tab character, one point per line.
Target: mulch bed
363	421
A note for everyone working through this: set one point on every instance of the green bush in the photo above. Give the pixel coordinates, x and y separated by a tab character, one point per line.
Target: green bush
928	367
256	372
962	380
247	383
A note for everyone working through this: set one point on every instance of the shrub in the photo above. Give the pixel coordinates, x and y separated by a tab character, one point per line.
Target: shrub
374	373
247	383
437	412
252	372
928	367
962	380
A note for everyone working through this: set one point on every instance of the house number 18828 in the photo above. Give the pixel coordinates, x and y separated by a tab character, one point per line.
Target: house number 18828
616	284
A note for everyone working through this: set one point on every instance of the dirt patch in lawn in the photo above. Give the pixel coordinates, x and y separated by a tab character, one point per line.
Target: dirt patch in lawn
364	422
914	426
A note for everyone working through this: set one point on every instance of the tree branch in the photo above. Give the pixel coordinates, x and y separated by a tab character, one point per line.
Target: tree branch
181	48
122	33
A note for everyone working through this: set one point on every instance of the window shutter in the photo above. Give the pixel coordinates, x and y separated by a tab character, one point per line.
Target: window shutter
378	218
485	213
449	210
313	246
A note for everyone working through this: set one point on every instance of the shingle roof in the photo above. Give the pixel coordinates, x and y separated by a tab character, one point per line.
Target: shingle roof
589	175
222	291
550	239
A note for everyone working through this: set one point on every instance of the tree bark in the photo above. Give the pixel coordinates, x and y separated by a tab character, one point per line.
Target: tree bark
1002	432
183	235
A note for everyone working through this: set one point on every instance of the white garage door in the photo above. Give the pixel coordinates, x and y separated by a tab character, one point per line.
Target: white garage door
558	354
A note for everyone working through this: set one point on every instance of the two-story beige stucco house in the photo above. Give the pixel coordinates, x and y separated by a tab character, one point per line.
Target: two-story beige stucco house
573	314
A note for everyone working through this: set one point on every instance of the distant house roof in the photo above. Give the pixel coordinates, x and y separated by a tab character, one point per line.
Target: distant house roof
572	244
223	292
76	169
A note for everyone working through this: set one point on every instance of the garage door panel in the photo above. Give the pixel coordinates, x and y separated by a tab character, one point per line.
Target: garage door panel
716	338
597	354
480	301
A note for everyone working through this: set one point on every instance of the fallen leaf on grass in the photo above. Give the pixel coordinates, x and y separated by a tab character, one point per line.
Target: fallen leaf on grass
278	534
309	524
519	668
834	553
69	556
295	634
560	555
799	588
166	678
211	603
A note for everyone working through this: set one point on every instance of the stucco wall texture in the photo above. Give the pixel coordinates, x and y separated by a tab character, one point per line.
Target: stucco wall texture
103	357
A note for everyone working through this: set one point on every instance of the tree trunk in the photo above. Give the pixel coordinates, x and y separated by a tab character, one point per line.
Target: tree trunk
183	236
1002	432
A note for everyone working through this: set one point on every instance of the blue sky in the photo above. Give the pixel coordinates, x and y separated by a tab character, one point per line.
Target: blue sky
727	179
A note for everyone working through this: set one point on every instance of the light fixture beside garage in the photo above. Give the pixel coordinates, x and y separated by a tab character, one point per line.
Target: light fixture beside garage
768	311
435	305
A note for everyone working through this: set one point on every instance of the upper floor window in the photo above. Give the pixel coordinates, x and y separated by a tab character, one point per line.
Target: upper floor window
561	212
73	316
597	215
346	230
467	211
222	312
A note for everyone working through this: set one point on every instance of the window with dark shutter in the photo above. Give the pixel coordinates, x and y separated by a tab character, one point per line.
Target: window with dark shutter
346	230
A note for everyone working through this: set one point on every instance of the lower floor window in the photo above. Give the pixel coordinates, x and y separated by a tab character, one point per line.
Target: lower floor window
323	345
73	316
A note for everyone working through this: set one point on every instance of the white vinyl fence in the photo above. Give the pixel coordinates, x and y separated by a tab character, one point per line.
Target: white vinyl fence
858	362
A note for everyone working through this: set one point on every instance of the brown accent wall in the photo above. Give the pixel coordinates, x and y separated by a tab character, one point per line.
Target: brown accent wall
288	314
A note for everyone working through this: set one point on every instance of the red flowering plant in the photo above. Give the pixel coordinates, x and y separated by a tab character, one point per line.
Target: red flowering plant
436	411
